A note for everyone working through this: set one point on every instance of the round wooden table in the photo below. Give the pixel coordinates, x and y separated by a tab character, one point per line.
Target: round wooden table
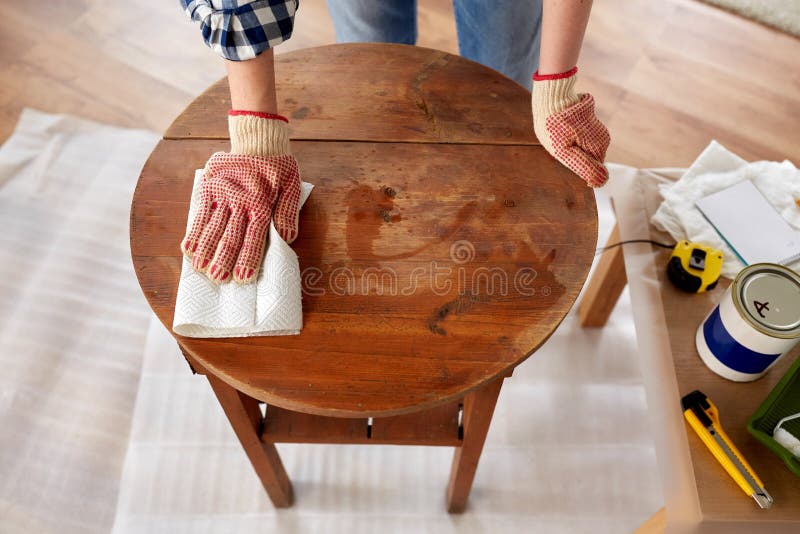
440	248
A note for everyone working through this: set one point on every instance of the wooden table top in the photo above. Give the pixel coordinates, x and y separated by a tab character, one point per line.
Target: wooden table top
441	245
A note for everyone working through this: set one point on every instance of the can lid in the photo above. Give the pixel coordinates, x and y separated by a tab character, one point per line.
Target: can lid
769	294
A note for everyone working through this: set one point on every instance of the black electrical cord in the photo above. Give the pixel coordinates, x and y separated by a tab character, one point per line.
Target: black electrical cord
656	243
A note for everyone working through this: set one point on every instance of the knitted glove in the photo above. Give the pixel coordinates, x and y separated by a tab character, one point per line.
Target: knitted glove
567	126
241	192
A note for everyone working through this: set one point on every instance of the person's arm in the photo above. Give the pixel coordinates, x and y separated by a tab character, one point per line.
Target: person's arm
252	83
257	181
563	26
564	120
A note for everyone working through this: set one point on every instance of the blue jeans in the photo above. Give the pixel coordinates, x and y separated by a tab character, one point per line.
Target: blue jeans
501	34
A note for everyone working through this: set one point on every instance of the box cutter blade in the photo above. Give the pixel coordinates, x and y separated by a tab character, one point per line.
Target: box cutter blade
703	417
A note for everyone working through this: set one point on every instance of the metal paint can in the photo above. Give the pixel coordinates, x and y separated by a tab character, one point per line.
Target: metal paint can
754	325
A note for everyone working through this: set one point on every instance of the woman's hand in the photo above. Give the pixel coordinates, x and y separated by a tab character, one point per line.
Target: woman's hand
241	193
566	125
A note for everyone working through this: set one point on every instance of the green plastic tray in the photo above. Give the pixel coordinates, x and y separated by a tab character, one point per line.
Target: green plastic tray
783	400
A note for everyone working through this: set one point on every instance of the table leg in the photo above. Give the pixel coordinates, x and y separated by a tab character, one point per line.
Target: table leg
194	366
245	418
657	524
605	285
476	415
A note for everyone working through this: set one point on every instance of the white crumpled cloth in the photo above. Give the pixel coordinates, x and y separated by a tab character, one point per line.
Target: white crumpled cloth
714	170
272	306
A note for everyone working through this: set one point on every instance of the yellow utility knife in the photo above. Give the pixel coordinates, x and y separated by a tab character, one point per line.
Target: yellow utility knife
703	417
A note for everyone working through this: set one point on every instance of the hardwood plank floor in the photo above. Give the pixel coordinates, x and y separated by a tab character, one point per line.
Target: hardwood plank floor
668	76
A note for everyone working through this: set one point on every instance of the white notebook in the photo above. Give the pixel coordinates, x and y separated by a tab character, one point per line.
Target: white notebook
750	225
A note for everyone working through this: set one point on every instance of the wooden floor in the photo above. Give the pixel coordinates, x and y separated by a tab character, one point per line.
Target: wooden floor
668	76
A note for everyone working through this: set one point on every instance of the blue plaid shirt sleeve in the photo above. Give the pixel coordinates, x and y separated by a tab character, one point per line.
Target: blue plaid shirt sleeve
242	29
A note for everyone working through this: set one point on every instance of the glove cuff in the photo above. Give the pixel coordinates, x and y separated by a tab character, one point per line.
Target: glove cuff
553	93
540	77
258	134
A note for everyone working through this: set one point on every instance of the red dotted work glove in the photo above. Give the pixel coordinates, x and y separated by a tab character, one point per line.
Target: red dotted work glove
567	127
241	192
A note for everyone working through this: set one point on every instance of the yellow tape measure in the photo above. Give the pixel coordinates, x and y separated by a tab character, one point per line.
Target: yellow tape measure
694	267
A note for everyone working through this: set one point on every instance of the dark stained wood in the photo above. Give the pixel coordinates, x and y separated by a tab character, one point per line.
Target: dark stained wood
193	364
513	210
412	234
477	415
286	426
380	92
517	213
245	418
436	426
604	286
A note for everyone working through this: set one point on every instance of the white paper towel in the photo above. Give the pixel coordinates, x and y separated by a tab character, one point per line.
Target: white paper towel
271	306
715	169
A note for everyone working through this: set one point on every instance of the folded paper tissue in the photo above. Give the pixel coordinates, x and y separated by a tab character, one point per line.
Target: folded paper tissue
271	306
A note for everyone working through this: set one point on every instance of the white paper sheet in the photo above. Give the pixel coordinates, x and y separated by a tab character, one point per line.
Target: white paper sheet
750	225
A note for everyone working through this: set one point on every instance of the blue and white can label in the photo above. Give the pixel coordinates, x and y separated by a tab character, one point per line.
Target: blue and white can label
754	325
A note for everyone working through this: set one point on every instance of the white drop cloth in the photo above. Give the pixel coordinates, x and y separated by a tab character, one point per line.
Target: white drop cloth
714	170
271	306
73	321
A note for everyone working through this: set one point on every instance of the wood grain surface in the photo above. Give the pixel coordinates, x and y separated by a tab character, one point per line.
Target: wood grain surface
429	268
404	93
435	426
478	411
245	417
